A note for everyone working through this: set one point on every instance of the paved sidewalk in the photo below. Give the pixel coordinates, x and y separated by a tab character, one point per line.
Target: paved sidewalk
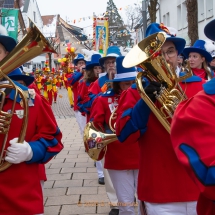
72	186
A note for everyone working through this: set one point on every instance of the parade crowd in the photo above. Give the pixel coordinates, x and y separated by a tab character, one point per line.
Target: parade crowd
145	166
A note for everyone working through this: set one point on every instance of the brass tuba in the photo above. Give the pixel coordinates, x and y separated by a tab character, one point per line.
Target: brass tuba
147	55
32	45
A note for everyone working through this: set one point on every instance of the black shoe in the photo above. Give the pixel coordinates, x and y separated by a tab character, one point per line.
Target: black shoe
114	212
101	181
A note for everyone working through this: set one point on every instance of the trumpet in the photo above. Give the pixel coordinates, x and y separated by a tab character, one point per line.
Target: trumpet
32	45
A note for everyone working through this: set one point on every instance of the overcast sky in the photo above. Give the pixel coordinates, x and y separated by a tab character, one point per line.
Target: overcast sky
71	10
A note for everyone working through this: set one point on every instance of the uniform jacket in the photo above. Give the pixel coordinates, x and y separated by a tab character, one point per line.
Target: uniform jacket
161	177
73	80
20	184
194	145
118	156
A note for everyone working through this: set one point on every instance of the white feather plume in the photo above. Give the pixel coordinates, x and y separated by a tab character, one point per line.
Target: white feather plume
209	46
3	31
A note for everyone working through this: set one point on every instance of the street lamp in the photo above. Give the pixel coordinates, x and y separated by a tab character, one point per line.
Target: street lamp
144	16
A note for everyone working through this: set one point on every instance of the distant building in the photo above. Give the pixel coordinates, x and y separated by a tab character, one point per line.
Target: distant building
174	14
58	30
53	27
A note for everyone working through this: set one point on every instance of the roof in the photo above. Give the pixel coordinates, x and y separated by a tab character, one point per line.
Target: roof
49	25
74	30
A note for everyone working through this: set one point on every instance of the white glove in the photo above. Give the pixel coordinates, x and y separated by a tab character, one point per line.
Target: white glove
18	152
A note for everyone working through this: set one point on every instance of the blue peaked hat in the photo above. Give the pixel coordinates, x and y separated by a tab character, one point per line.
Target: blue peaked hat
77	58
8	42
156	27
122	73
94	61
209	30
17	75
112	51
199	47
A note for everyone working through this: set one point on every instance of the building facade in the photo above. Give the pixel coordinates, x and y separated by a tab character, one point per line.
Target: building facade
174	14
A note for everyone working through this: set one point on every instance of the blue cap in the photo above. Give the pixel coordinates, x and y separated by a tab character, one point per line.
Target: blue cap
77	58
17	75
8	42
122	73
112	51
198	47
156	28
94	61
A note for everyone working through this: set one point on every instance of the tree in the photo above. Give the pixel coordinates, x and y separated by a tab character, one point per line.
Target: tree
117	29
133	14
152	9
192	19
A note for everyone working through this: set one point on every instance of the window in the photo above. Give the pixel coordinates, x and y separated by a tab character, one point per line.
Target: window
35	18
209	8
179	17
201	10
184	15
167	19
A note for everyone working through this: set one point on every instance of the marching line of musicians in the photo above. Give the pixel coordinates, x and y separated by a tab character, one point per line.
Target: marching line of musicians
170	174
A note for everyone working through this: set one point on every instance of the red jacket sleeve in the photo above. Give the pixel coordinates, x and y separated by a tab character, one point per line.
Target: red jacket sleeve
97	115
192	135
127	101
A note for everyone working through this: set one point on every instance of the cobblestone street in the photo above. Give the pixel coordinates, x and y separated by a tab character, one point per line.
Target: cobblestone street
72	186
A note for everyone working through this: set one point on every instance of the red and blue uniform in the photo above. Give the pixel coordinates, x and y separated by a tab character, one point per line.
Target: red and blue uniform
83	98
95	89
192	135
73	80
23	194
118	156
161	177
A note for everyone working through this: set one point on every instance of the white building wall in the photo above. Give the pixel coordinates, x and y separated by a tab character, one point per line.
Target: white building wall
34	14
177	17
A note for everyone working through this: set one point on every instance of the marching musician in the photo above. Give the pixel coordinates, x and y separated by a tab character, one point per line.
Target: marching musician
96	88
194	144
73	80
38	80
108	62
54	85
164	187
199	58
120	160
93	69
21	191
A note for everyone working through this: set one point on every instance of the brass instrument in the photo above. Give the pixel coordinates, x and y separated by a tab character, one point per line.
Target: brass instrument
32	45
113	117
147	55
96	142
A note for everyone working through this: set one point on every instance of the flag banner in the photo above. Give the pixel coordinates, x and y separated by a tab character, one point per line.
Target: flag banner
100	35
10	21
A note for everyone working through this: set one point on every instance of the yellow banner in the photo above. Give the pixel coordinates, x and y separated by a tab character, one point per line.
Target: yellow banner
100	35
